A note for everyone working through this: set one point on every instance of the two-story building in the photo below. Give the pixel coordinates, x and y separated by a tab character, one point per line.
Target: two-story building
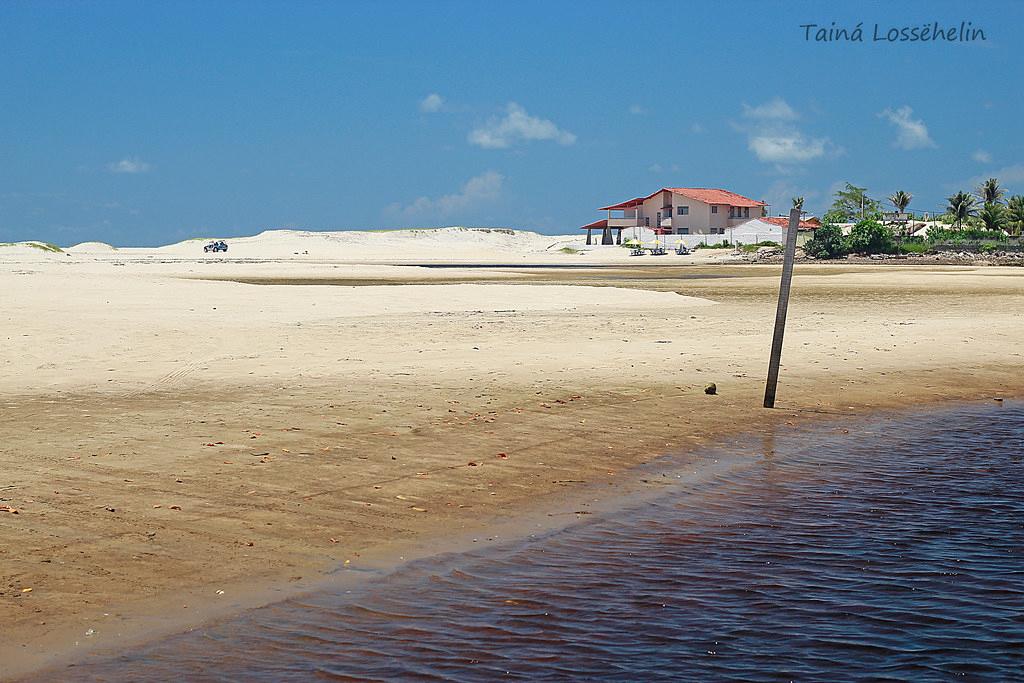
677	211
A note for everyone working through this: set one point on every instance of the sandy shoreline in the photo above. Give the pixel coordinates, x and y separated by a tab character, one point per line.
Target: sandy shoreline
246	434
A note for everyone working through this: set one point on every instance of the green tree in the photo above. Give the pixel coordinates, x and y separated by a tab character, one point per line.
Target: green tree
871	237
798	203
961	207
852	202
828	242
993	216
1015	214
990	192
833	216
900	200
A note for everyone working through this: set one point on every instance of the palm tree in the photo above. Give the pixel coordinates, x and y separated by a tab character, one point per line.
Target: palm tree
900	200
1015	213
798	203
961	207
990	192
993	216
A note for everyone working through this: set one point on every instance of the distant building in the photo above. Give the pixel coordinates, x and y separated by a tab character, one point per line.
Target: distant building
811	223
771	229
677	211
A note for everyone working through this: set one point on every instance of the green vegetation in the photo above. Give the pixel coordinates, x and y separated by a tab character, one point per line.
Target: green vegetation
871	237
1015	214
990	192
993	216
42	246
569	250
853	202
961	207
867	237
828	242
747	248
724	244
900	200
938	235
981	221
915	245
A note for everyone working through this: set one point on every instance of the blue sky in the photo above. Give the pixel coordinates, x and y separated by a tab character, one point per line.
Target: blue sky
146	123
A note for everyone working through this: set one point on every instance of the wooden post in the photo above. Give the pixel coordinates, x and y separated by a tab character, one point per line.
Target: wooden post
780	312
589	237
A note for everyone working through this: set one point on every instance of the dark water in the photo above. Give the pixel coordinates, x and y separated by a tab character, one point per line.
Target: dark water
894	552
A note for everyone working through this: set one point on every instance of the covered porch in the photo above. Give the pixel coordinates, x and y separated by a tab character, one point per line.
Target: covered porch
606	232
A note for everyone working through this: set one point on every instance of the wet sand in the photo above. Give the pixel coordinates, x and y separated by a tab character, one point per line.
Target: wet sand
810	554
158	454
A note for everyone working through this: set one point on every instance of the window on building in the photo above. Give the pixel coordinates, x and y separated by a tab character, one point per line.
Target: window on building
714	209
647	221
684	231
682	210
746	212
732	212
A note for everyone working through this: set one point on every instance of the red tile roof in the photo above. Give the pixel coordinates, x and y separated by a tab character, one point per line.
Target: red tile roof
603	223
715	196
701	194
783	222
628	204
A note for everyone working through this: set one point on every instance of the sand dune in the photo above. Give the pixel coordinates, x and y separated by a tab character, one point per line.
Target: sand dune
426	245
453	243
91	248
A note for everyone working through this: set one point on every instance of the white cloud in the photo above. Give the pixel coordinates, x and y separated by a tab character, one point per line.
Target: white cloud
1006	175
787	148
517	126
911	133
636	109
696	128
431	103
982	157
774	110
475	191
658	168
774	138
128	165
780	194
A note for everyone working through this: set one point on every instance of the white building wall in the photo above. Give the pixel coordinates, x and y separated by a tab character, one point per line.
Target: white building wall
697	219
651	208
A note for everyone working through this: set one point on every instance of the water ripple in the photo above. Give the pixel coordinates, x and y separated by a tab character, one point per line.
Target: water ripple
894	553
